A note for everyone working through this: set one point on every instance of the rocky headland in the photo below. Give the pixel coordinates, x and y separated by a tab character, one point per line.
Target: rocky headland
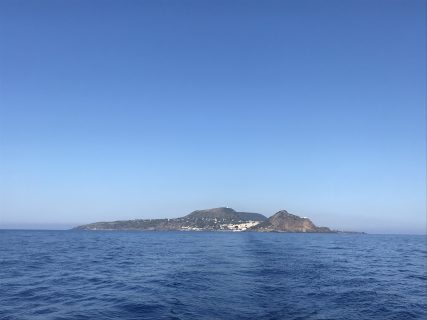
284	221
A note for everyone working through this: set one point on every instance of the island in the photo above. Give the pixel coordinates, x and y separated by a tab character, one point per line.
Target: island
216	219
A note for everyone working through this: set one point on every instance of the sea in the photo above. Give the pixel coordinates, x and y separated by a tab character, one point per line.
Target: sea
211	275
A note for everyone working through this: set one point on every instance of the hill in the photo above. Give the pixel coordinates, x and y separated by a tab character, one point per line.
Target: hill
284	221
225	214
215	219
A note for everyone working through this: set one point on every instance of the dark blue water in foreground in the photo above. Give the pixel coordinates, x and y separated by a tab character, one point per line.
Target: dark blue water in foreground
190	275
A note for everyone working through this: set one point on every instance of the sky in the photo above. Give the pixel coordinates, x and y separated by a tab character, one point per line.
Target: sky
131	109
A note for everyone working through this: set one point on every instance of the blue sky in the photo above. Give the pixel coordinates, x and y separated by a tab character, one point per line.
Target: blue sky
140	109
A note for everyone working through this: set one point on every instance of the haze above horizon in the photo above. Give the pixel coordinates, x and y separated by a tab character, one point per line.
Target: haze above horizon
114	110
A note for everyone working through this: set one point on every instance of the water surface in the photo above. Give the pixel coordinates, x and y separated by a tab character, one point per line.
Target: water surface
207	275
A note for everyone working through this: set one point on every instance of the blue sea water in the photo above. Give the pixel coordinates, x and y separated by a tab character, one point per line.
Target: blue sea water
207	275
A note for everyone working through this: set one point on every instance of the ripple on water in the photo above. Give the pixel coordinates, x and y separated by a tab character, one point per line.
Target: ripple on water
173	275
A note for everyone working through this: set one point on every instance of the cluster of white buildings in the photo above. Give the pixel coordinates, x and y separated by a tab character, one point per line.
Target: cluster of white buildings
225	227
239	227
